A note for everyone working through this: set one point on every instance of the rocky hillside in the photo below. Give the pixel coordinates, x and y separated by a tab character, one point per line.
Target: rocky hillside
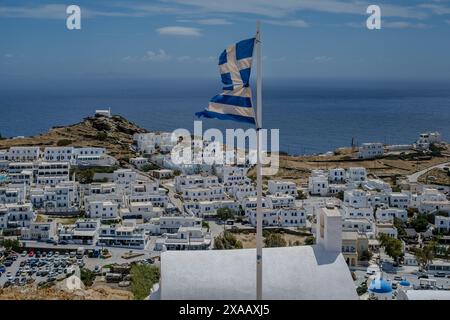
30	292
115	134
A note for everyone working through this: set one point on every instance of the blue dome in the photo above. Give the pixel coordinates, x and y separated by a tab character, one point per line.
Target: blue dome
405	283
380	286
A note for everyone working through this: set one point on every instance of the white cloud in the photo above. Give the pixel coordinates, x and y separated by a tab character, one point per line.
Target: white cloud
48	11
288	23
179	31
403	25
8	55
435	8
322	59
159	56
213	22
285	8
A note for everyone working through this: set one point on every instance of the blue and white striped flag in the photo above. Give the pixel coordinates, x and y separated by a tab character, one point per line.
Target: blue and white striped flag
235	102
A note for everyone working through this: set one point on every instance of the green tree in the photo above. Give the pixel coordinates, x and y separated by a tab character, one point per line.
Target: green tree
392	247
225	214
10	244
400	225
226	241
419	223
425	255
273	239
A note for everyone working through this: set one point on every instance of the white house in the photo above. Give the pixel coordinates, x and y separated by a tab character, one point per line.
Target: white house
126	235
139	162
124	176
209	208
356	198
19	215
292	217
25	177
337	175
52	173
442	224
102	209
358	213
357	174
195	181
385	214
84	231
61	198
59	154
371	150
280	201
18	167
361	225
186	238
24	153
204	194
277	187
138	210
12	194
399	200
387	229
318	183
40	231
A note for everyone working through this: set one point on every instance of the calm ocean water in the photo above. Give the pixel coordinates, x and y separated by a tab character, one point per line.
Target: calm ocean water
312	117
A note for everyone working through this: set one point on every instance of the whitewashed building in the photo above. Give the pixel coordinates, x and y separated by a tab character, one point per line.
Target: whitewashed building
24	153
186	238
52	173
126	235
357	174
102	210
386	214
277	187
371	150
40	231
442	224
318	183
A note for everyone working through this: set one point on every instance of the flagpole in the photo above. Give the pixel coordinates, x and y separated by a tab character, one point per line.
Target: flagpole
258	166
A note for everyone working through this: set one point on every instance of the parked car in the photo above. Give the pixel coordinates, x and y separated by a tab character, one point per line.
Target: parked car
398	278
24	253
2	268
422	276
440	275
31	254
8	263
63	242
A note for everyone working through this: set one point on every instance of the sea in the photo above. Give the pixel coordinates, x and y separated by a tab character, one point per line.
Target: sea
313	116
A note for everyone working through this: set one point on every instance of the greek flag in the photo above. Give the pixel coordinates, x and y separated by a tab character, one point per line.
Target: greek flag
235	102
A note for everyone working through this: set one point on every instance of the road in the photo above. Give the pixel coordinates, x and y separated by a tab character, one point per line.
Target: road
413	177
171	194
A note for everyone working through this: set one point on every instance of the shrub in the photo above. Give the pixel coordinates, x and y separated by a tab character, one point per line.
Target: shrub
274	240
87	277
143	277
227	241
101	136
64	142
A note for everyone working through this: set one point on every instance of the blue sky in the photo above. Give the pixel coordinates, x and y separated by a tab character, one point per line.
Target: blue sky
181	39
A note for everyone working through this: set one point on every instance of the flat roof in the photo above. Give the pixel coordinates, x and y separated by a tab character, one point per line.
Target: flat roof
298	273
